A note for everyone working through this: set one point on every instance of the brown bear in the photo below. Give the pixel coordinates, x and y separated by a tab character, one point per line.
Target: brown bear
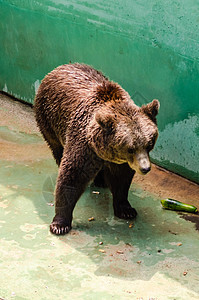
94	130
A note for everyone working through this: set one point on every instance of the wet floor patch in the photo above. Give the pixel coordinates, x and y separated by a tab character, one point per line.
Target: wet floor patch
192	218
14	136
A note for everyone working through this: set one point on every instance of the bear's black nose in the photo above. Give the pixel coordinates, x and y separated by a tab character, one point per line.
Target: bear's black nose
145	170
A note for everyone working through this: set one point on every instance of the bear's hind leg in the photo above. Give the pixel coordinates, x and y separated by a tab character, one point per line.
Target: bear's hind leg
54	144
119	179
99	180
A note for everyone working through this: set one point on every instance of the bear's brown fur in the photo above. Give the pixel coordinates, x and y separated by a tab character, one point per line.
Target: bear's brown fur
93	129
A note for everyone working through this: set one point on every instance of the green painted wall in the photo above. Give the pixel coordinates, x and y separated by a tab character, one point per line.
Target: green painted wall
149	47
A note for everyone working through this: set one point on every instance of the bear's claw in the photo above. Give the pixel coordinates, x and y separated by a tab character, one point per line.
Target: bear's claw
125	212
59	229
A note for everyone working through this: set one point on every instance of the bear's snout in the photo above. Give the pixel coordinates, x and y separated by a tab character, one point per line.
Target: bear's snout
145	170
141	162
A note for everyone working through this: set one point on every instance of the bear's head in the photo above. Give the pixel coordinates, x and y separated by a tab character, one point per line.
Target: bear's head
125	133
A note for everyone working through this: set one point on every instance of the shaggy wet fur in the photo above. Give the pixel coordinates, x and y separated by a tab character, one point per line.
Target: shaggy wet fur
93	128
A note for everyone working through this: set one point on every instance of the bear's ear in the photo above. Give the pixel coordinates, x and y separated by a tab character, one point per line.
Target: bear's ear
105	120
151	109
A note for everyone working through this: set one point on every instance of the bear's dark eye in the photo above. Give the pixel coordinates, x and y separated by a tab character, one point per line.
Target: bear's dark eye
149	148
130	150
151	144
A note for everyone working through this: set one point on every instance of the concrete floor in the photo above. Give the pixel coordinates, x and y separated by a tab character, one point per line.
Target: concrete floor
154	257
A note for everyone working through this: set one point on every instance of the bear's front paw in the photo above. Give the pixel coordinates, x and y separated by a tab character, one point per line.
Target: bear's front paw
60	226
125	212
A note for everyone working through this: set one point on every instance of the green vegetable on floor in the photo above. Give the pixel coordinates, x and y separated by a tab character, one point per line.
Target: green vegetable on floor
177	205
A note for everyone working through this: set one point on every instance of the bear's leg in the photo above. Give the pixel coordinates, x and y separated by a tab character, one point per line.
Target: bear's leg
119	179
54	144
99	180
76	170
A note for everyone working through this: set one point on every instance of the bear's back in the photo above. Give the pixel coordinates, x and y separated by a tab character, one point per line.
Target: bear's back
70	94
74	76
81	73
67	87
67	92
